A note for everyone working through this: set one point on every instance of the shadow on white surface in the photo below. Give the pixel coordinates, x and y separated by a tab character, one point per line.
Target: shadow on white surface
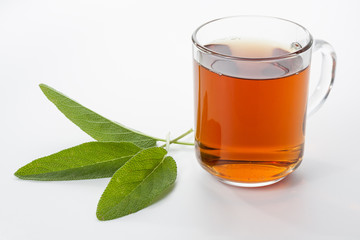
302	199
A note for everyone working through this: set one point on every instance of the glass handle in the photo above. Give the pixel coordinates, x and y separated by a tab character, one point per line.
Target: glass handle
327	76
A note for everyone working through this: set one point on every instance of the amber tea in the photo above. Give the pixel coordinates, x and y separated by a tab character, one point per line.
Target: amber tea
250	128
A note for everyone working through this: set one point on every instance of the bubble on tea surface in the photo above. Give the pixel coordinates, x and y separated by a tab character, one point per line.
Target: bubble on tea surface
295	46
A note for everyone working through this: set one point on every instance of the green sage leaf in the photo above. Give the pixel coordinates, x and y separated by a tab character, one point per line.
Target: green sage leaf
98	127
85	161
137	184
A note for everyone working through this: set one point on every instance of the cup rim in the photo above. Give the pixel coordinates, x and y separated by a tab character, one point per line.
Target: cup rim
289	55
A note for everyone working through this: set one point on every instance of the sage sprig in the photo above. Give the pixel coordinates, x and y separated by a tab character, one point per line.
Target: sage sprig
140	170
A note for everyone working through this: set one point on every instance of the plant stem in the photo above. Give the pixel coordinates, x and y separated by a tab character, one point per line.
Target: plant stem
182	135
175	140
183	143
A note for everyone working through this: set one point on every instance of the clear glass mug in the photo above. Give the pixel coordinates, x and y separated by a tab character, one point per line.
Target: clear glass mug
251	78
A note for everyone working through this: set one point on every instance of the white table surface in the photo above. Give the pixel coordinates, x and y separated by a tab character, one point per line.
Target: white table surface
131	62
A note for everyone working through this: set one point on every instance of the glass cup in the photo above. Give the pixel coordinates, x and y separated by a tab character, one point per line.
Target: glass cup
251	96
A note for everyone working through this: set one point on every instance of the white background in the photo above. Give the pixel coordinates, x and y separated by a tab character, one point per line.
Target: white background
131	62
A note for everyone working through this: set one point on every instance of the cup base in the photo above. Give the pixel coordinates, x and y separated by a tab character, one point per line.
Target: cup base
249	185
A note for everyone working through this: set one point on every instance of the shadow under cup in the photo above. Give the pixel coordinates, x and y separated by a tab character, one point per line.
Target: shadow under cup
251	88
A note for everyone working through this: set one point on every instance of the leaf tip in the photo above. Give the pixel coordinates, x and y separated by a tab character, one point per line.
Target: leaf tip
16	174
43	86
19	173
99	216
